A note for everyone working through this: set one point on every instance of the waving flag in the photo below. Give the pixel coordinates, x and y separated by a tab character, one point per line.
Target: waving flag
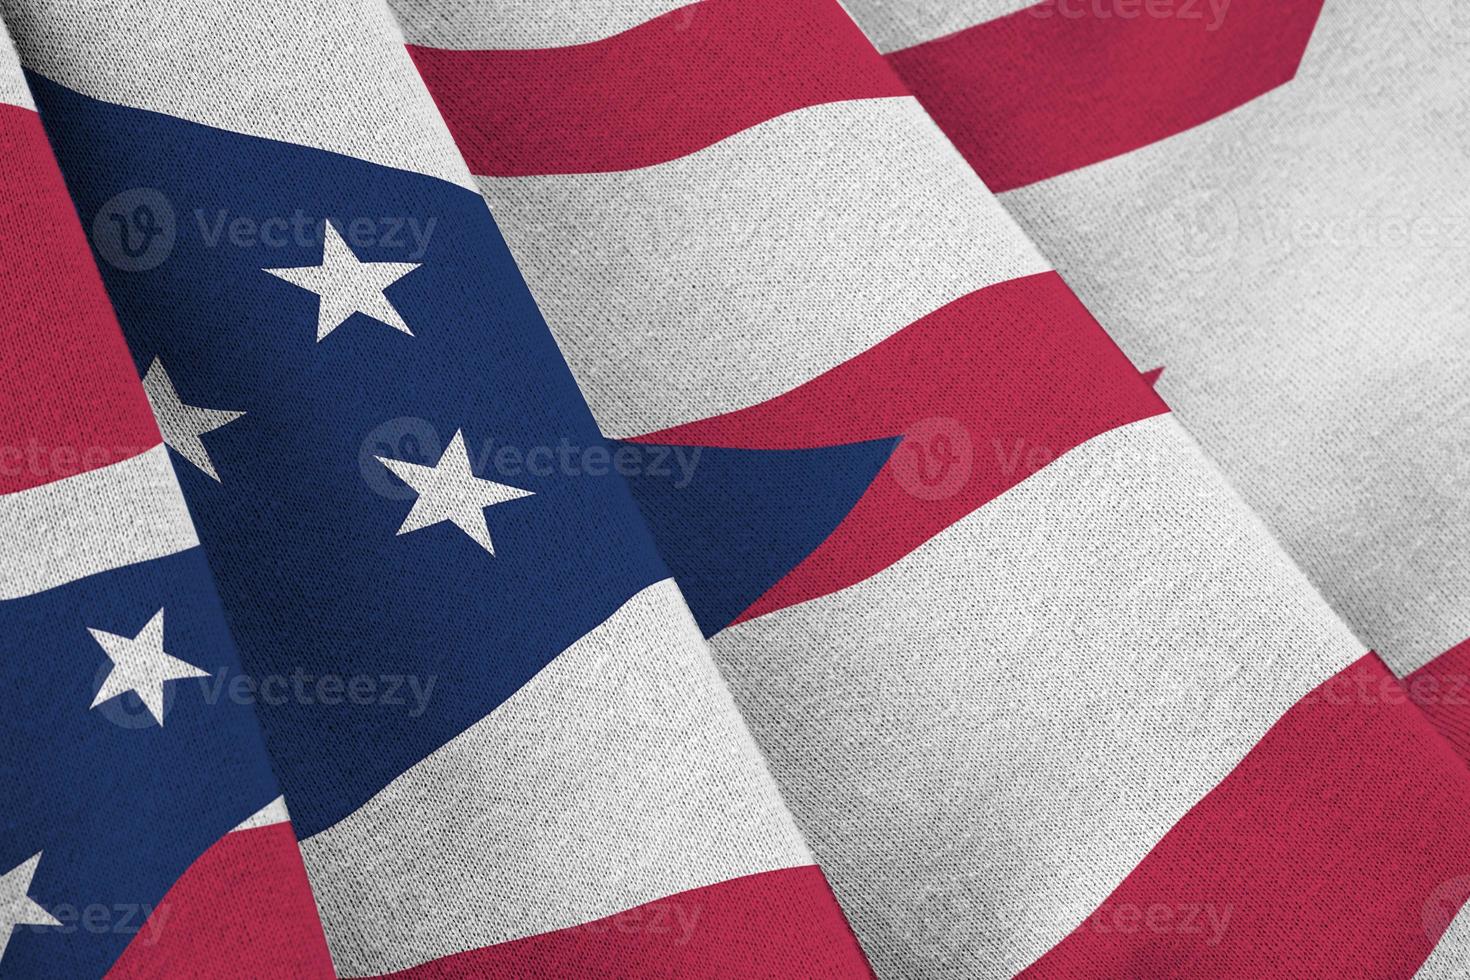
1268	199
505	746
989	612
142	828
824	536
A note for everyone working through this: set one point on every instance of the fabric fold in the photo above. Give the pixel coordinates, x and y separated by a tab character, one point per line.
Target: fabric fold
127	772
1034	676
493	719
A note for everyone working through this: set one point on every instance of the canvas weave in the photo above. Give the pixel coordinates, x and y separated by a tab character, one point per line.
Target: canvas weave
735	551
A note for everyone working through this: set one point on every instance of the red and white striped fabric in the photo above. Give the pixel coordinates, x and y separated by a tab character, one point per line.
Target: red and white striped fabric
986	669
1080	715
1267	200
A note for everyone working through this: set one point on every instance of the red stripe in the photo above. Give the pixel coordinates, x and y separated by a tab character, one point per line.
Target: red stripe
244	909
775	925
1056	87
1335	849
1441	688
71	400
985	390
659	91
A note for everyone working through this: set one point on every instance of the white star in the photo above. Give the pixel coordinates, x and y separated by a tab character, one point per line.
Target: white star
181	424
16	907
449	491
140	665
348	285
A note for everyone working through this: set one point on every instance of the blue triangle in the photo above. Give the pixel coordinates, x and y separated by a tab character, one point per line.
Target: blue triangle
730	523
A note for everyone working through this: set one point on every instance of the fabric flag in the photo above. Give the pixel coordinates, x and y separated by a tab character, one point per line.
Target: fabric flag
1026	668
504	743
824	536
140	826
1268	200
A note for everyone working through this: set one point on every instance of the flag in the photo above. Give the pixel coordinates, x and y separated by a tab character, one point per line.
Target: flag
616	490
1062	668
1295	222
503	742
143	830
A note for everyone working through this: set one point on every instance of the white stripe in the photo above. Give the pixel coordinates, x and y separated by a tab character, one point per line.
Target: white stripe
1450	958
475	25
620	774
1298	266
895	24
13	88
273	812
93	522
720	279
981	741
331	74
